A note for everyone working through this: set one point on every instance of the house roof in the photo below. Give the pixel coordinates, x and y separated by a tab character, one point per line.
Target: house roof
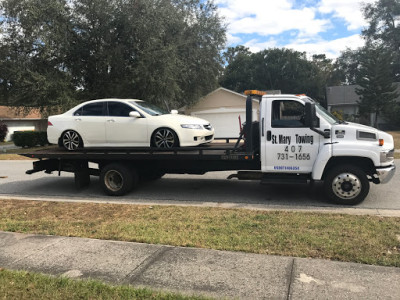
12	113
226	90
346	94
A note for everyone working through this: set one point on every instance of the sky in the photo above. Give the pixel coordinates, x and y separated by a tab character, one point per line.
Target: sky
314	26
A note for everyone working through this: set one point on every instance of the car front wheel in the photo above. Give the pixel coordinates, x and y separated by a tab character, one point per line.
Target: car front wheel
164	138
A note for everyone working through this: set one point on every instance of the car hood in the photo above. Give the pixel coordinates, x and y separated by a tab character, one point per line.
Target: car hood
182	119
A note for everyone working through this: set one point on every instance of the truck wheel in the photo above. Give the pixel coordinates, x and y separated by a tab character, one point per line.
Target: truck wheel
117	179
346	185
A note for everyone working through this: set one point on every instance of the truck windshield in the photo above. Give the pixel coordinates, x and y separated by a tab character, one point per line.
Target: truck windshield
326	114
149	108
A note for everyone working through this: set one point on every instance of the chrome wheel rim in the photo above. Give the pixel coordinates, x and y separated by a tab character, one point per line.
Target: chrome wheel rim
71	140
113	180
164	138
346	186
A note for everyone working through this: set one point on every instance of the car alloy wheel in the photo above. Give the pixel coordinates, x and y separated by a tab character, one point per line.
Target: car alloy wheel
71	140
165	138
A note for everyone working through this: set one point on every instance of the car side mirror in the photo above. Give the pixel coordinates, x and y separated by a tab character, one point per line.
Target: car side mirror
135	114
174	112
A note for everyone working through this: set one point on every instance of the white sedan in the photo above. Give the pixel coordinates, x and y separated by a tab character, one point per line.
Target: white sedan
125	123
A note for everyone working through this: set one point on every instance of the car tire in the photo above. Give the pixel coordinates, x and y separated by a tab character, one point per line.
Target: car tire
164	138
71	141
117	179
346	184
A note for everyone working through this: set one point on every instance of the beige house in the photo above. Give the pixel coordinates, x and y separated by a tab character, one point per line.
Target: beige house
222	109
16	120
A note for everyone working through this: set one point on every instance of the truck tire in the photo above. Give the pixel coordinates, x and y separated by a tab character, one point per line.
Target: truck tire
346	184
117	179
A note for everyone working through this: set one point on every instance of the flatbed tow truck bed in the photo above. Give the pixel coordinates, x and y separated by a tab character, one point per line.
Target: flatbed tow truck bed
145	163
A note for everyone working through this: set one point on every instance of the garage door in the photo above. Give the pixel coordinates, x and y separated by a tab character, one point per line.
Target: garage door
225	122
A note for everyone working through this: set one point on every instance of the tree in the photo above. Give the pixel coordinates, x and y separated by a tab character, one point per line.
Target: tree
60	51
231	53
31	55
377	93
276	69
383	19
346	67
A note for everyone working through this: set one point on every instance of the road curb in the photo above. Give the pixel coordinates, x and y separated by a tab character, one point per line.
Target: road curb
226	205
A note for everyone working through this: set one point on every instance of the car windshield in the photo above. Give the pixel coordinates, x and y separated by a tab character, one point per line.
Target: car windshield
149	108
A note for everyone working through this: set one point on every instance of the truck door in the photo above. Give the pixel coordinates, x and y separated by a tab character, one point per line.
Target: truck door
287	146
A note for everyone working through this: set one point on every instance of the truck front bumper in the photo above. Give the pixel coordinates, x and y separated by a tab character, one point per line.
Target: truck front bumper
385	174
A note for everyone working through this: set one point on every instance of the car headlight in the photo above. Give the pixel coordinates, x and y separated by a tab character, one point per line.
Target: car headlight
191	126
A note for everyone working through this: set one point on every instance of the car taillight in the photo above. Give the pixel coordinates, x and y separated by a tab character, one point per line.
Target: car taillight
49	123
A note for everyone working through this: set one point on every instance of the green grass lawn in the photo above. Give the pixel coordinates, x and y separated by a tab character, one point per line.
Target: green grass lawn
24	285
362	239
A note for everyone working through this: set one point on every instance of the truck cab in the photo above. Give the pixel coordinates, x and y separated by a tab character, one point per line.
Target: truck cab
298	136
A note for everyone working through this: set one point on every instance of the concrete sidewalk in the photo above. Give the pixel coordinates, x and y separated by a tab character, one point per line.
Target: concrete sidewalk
218	274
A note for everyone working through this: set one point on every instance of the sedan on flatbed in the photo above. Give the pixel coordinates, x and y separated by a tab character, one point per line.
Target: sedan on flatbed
126	123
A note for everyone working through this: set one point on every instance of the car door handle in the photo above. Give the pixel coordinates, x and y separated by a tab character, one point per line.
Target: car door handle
78	119
111	120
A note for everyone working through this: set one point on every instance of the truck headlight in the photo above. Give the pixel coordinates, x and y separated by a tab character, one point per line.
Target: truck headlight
387	156
191	126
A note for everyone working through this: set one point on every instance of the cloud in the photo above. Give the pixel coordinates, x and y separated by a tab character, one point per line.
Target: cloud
314	26
266	17
331	48
347	10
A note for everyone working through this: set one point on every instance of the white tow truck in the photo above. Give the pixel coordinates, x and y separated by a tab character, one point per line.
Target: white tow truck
295	141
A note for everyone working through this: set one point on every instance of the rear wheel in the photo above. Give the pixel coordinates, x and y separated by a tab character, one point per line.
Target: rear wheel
164	138
71	140
346	185
117	179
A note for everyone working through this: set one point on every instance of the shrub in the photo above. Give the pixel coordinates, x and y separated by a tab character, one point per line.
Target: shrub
30	138
3	131
338	114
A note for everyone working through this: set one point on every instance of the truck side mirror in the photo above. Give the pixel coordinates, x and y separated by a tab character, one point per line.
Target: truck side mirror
310	118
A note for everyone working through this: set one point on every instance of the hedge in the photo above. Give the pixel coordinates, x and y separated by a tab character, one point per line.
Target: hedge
3	131
30	138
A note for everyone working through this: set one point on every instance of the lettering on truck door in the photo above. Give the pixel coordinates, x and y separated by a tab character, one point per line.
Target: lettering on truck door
290	146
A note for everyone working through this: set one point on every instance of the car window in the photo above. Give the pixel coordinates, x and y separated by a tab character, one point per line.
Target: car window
117	109
91	109
287	114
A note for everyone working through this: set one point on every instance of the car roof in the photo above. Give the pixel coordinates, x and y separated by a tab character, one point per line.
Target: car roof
114	99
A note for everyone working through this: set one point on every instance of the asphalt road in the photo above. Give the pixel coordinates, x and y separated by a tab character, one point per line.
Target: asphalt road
212	189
